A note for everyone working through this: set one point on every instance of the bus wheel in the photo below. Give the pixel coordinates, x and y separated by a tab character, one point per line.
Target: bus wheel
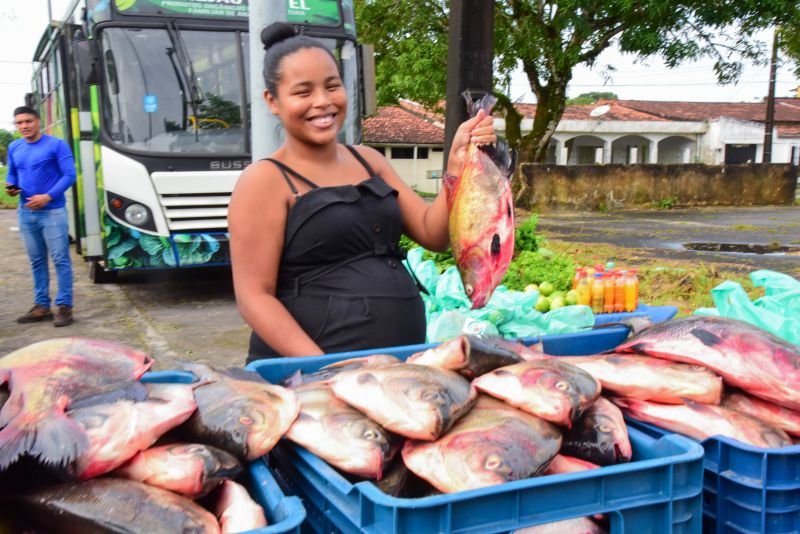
99	274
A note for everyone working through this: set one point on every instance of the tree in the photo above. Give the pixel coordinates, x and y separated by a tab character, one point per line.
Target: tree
5	139
592	97
549	39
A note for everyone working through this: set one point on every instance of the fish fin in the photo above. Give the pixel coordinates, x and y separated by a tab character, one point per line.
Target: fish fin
485	103
199	370
133	391
293	380
708	339
494	249
243	374
502	156
53	438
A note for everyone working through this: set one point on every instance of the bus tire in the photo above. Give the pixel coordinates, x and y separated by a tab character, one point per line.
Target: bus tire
99	274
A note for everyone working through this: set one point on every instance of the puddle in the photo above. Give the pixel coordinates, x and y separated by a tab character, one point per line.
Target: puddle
744	248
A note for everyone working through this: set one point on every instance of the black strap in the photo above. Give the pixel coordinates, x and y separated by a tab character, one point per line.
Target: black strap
361	160
285	168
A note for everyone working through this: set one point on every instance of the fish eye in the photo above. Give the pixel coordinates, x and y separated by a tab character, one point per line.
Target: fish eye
493	462
370	434
563	386
605	428
246	420
468	289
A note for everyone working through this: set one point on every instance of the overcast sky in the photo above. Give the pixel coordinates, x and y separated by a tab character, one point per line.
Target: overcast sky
22	23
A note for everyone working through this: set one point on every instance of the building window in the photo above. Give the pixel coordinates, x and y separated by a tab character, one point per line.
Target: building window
381	149
402	152
438	149
795	159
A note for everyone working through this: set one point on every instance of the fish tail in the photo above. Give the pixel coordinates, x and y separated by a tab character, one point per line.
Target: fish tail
53	438
485	103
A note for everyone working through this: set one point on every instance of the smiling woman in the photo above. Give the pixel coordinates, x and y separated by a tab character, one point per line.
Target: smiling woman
315	227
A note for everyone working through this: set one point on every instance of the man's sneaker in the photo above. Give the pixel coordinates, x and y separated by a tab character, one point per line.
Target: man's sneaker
36	314
63	316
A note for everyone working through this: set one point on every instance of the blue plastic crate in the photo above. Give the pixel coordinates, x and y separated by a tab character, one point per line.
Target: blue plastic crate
284	514
746	489
660	491
657	314
574	344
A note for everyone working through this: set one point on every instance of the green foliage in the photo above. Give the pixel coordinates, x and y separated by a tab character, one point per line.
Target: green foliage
443	260
5	139
6	201
536	267
549	39
525	237
666	203
214	108
592	97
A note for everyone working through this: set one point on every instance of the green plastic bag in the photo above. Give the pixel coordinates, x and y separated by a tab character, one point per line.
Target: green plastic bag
778	311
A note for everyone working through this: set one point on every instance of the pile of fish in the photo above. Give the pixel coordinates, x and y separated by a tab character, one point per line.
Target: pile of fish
474	412
466	414
85	446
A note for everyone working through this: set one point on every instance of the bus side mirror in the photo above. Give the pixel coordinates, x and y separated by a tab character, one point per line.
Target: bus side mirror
88	62
367	53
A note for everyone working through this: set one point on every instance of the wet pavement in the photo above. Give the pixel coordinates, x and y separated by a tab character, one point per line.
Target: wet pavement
741	233
191	314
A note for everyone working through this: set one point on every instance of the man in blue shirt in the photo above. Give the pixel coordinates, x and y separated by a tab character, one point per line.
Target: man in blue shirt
40	169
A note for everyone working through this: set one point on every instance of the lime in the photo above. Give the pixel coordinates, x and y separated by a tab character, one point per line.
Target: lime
545	288
531	287
555	294
542	304
572	297
556	303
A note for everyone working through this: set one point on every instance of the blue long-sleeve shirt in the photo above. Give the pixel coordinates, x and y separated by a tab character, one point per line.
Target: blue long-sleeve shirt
46	166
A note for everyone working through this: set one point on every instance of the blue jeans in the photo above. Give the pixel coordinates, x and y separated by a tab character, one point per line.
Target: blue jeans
42	231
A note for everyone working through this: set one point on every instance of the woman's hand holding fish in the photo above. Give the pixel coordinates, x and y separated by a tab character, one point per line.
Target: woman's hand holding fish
478	130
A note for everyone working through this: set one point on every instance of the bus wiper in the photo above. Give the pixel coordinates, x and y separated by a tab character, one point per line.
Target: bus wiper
187	70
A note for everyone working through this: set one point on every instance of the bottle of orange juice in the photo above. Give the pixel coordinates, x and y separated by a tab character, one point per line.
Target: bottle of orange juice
631	291
608	292
584	290
578	273
597	293
619	291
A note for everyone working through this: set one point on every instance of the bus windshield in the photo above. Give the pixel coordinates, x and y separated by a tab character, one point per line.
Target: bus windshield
175	91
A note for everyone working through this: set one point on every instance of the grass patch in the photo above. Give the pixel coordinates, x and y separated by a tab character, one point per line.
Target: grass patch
6	201
744	227
685	284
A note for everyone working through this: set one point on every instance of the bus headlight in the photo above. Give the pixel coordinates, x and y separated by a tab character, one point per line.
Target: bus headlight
136	214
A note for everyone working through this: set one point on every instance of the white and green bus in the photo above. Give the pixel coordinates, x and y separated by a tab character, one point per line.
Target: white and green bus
154	97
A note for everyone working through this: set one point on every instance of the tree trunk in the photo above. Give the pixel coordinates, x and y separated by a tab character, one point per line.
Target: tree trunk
550	104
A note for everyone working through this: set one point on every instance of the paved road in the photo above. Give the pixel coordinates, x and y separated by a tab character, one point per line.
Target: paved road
191	314
666	234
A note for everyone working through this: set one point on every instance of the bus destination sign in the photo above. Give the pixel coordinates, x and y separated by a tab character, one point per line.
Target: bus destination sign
314	12
200	8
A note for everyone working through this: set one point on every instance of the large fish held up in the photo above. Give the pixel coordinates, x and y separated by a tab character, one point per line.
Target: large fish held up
494	443
701	421
481	210
412	400
341	435
45	379
239	412
745	356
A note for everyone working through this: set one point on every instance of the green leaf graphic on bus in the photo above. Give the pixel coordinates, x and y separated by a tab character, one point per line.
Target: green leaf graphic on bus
130	249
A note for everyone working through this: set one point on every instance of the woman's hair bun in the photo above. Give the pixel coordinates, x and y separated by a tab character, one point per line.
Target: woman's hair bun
277	32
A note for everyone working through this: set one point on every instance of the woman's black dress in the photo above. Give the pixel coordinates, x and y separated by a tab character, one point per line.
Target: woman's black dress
341	275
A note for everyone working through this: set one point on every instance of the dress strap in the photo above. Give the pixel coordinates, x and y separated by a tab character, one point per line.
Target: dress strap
286	169
361	160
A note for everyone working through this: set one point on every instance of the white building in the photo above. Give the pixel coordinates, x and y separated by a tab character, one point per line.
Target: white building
611	131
